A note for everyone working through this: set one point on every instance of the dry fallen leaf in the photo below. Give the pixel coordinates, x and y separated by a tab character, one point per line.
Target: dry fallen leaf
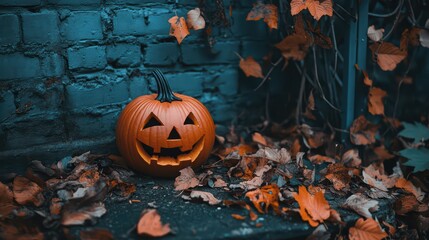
258	138
409	187
265	197
317	8
83	214
319	159
312	208
27	192
362	132
250	67
195	20
179	28
408	203
388	56
238	216
368	229
361	204
375	101
375	34
351	158
310	107
281	156
150	224
205	196
96	233
339	175
89	177
266	11
187	179
6	201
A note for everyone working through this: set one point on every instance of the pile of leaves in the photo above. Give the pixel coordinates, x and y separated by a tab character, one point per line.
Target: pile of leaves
46	200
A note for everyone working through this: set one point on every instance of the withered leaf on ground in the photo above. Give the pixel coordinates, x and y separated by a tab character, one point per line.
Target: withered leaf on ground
150	224
96	233
362	132
205	196
362	205
264	197
27	192
312	208
81	215
409	203
409	187
281	156
187	179
6	201
339	175
268	12
319	159
351	158
368	229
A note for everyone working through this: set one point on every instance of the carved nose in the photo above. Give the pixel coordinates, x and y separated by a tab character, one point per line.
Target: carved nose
173	134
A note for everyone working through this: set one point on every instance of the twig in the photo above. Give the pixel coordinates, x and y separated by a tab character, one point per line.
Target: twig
381	15
401	2
301	94
274	65
395	108
413	17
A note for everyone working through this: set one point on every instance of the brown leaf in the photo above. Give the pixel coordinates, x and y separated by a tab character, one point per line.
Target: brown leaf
375	101
56	206
382	153
351	158
294	47
250	67
178	28
195	20
281	156
258	138
367	229
312	139
95	234
388	56
81	215
409	187
310	107
267	196
375	34
6	201
362	205
89	177
375	178
312	208
187	179
366	80
27	192
317	8
266	11
319	159
12	231
339	175
391	228
410	37
408	203
205	196
362	132
150	224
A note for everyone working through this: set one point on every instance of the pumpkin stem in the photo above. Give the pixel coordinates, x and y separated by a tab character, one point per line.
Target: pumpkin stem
164	91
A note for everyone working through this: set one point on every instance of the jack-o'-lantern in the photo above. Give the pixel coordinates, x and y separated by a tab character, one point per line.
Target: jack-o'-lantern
159	134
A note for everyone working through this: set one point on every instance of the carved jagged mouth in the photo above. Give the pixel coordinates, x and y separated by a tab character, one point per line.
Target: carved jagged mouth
170	156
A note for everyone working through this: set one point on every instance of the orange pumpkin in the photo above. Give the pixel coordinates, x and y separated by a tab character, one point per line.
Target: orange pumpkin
162	133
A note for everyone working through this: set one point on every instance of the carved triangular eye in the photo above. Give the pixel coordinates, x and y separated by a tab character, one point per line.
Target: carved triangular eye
190	119
153	121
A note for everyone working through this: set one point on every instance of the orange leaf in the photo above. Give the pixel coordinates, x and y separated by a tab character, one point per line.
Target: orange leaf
367	229
312	208
317	8
362	132
238	216
319	159
388	55
339	176
375	101
150	224
266	11
178	28
294	46
27	192
409	187
6	200
187	179
250	67
258	138
267	195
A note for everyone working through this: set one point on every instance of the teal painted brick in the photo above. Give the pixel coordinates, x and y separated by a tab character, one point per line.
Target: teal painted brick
9	29
128	22
82	26
7	105
53	65
123	55
162	54
139	22
74	2
81	125
81	95
189	83
19	3
87	59
256	49
40	27
44	129
138	87
225	80
136	2
248	29
15	66
222	52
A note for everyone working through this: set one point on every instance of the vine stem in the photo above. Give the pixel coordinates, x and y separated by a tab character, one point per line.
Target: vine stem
274	65
401	2
300	96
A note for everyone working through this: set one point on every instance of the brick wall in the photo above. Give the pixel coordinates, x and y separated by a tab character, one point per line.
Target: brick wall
68	67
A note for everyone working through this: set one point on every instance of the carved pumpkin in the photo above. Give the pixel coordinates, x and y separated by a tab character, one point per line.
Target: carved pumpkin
162	133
